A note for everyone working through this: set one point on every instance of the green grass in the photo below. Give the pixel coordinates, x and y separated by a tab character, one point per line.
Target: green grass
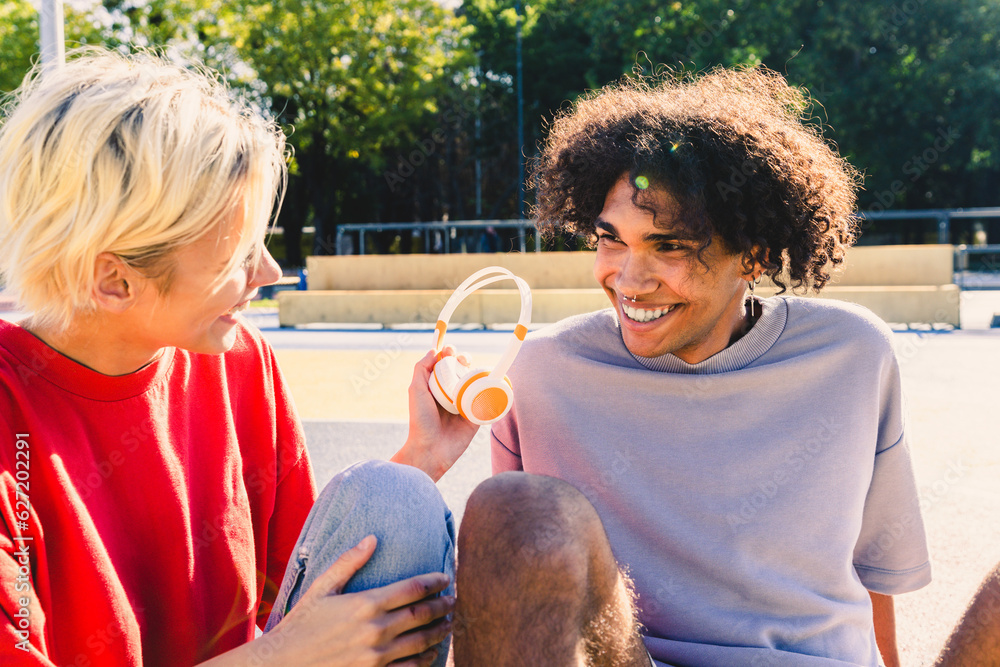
264	303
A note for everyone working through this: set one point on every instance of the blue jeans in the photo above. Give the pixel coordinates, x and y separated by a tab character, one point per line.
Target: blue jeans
398	504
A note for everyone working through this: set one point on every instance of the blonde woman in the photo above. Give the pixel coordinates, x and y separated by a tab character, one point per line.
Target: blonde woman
155	488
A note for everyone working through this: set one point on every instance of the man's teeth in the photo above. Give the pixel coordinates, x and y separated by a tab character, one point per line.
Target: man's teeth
643	315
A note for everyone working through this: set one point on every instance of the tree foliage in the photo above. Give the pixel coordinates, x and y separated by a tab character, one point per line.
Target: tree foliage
356	83
398	110
18	39
905	88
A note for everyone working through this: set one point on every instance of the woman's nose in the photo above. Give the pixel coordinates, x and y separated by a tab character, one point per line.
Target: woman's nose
266	271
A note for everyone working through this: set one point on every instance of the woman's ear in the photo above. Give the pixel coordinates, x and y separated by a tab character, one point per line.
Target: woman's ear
116	285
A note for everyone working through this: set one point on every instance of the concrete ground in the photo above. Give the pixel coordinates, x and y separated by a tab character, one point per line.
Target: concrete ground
350	389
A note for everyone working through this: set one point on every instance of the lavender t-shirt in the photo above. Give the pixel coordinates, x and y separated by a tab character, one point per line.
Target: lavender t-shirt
755	497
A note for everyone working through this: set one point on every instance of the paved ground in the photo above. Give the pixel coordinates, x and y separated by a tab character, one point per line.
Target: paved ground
952	385
350	389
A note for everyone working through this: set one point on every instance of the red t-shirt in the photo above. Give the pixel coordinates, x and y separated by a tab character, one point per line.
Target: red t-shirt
147	518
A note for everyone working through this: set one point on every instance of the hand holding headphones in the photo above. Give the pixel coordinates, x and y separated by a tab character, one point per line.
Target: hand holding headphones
480	395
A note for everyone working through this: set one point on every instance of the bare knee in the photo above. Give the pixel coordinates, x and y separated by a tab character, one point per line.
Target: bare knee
524	569
537	581
532	520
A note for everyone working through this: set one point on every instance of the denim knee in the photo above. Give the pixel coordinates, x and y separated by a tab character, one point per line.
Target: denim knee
403	508
398	504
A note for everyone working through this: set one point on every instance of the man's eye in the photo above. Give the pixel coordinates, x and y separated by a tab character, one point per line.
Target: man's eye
669	247
607	238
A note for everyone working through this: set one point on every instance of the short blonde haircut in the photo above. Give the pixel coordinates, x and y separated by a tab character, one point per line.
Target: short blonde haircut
130	155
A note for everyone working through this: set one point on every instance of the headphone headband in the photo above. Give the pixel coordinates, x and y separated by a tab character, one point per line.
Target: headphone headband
477	280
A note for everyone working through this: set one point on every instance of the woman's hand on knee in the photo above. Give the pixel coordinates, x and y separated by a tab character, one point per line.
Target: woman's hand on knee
373	627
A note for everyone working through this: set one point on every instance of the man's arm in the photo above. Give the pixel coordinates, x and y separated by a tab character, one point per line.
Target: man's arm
976	639
884	617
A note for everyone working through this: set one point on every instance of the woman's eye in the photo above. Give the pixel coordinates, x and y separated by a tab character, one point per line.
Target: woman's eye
249	258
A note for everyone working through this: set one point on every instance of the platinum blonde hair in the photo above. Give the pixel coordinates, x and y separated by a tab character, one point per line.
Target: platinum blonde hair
130	155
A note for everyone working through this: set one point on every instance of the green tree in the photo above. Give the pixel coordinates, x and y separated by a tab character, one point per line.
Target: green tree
373	93
18	42
906	88
19	47
356	83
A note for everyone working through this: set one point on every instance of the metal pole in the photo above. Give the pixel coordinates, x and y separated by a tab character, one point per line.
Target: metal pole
520	124
944	229
50	28
478	135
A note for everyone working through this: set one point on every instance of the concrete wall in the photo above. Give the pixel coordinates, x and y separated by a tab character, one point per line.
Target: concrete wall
556	270
901	284
866	265
912	304
405	307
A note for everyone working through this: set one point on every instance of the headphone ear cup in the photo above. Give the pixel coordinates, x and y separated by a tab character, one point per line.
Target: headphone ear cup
444	382
483	400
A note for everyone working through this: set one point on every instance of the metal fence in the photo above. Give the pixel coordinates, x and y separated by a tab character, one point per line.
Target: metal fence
943	216
444	231
977	267
448	236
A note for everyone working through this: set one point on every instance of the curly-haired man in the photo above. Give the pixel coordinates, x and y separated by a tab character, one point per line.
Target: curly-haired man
696	476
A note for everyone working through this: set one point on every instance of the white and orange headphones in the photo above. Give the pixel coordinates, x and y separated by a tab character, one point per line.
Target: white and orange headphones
480	395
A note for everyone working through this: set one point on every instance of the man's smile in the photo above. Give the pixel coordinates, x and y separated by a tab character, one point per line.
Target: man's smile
644	314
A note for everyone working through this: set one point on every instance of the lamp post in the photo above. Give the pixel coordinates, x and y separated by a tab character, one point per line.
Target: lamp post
520	123
51	32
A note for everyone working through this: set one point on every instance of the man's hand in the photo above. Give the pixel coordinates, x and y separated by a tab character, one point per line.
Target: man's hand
437	438
398	622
